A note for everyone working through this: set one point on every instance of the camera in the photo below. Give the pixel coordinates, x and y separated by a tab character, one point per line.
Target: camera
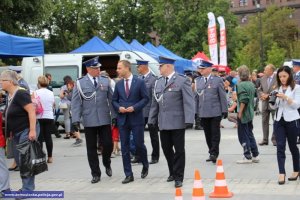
273	97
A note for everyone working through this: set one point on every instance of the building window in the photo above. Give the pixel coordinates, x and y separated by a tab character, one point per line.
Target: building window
243	3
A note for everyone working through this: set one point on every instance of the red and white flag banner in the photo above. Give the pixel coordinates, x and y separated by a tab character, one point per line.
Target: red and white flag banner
223	45
212	38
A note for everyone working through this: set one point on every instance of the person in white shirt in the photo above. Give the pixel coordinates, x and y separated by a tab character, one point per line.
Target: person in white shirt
46	118
286	120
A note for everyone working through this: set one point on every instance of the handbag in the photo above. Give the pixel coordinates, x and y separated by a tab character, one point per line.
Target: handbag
63	105
36	100
9	148
32	158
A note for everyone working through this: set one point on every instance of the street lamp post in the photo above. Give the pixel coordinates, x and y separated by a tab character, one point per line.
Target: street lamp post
261	36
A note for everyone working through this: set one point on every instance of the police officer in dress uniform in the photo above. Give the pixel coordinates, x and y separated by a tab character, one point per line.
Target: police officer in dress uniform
149	78
91	100
211	107
173	107
296	69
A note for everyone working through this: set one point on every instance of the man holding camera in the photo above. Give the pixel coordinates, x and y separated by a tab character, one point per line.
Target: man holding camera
91	100
268	84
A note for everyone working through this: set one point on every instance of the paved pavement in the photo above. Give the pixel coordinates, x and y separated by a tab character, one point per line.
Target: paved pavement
70	172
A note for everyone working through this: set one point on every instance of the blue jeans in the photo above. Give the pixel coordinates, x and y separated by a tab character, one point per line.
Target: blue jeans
287	131
28	182
247	139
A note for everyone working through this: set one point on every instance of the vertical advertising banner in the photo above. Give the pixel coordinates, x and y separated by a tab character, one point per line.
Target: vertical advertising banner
212	38
223	45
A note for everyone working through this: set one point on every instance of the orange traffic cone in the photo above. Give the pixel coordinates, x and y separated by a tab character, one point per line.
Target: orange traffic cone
198	193
178	194
220	190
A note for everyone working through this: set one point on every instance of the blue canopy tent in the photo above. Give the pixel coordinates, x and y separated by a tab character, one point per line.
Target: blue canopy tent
139	47
94	45
119	44
182	62
17	46
179	66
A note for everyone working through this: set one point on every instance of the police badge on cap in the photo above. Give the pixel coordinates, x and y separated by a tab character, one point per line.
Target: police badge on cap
93	63
204	64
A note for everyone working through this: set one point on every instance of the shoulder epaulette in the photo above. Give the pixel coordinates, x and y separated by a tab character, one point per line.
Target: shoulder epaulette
183	75
104	76
80	78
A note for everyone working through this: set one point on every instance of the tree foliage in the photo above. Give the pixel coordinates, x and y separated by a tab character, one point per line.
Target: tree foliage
182	25
130	19
279	39
24	17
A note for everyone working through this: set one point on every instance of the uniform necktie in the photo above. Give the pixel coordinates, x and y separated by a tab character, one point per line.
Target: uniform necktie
95	82
167	78
143	77
205	80
127	87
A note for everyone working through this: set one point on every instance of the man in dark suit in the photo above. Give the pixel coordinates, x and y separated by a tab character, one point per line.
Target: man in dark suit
211	106
268	83
149	78
129	99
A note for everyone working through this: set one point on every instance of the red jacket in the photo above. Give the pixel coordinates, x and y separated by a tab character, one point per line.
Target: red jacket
2	139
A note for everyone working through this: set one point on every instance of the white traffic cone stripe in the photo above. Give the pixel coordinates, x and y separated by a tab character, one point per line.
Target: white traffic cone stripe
198	184
198	198
220	169
178	198
220	183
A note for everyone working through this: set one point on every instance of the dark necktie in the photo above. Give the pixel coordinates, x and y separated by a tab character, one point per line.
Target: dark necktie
167	78
127	87
143	77
95	82
205	80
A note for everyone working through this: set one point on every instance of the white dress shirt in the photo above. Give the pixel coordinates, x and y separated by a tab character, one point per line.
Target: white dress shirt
129	81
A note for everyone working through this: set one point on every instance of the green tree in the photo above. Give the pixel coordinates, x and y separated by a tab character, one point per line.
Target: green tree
73	22
130	19
277	27
182	25
24	17
276	55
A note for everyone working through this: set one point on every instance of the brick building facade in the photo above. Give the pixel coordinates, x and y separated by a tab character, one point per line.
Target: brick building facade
244	8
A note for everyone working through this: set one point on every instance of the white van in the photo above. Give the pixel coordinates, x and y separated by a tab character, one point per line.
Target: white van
60	65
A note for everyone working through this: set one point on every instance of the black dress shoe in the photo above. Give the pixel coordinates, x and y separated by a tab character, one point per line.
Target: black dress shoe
178	184
170	179
57	135
128	179
208	159
263	143
135	160
153	162
108	171
13	168
95	179
144	172
213	159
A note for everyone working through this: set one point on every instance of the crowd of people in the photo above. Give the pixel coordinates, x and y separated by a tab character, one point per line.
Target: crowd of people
167	105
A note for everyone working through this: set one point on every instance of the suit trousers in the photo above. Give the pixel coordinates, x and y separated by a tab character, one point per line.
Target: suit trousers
138	138
153	132
212	133
91	134
287	131
247	139
265	114
176	160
